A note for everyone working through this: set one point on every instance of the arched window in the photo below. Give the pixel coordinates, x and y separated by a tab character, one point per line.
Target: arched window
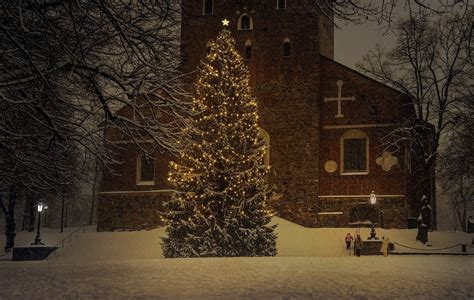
248	49
245	22
208	7
286	47
145	170
281	4
354	153
266	137
208	47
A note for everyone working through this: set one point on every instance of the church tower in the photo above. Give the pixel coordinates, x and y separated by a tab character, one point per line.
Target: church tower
281	41
324	124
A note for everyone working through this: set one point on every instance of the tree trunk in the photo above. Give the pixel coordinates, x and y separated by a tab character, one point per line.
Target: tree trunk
9	219
62	207
31	214
432	185
94	191
26	209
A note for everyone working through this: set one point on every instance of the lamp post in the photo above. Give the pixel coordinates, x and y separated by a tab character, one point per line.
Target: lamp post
373	201
40	206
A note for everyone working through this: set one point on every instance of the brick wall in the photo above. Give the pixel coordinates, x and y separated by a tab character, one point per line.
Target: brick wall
124	175
130	211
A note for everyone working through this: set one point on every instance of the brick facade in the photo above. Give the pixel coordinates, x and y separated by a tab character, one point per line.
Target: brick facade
130	211
304	134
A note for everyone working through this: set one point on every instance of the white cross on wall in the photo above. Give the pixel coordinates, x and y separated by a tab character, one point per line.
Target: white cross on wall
339	99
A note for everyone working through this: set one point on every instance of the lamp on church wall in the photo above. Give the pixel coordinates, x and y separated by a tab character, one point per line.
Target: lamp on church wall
373	198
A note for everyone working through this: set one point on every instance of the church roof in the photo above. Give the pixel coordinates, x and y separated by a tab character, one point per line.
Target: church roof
363	75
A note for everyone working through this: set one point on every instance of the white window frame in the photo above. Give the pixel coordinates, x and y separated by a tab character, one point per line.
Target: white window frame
278	6
204	8
248	43
286	41
354	134
239	22
139	172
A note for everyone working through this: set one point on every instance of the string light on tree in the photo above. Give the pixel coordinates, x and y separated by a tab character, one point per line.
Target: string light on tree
221	182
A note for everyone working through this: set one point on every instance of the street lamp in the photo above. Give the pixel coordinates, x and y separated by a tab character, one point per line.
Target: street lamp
373	201
40	206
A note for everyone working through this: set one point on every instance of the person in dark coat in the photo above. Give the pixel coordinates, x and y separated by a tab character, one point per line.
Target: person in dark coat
358	245
424	221
348	239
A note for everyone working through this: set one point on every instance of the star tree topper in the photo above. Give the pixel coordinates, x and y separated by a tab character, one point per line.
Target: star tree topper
225	22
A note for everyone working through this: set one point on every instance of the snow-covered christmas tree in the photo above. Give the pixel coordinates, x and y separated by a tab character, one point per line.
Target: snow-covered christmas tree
220	178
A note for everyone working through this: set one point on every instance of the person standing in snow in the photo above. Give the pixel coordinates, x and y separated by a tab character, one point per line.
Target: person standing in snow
348	240
358	245
424	221
384	248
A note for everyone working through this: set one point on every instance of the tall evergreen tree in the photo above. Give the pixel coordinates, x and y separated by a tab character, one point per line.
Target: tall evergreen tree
220	178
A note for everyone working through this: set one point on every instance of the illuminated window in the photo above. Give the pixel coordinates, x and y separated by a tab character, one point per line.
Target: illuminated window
248	49
245	22
281	4
208	7
145	170
286	47
354	153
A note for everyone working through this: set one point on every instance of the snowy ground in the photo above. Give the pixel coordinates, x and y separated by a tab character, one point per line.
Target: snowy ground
312	263
413	277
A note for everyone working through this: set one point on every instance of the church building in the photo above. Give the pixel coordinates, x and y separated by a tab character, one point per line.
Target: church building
323	122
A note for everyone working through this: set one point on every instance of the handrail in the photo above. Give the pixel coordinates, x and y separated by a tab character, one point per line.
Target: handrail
431	249
76	231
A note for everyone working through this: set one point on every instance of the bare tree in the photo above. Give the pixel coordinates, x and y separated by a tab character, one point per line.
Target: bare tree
97	54
384	12
432	65
67	67
456	167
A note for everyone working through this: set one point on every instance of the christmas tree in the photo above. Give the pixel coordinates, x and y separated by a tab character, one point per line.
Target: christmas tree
221	182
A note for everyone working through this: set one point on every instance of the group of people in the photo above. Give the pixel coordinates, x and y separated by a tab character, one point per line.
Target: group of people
358	244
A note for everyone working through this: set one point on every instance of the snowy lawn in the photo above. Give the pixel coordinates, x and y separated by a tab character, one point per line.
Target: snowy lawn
293	240
420	277
311	263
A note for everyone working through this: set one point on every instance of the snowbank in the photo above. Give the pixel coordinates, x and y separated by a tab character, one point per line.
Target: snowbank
293	240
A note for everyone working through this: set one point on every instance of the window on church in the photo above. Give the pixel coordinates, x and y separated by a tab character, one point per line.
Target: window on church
248	49
281	4
354	152
286	47
208	47
245	22
208	7
145	170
